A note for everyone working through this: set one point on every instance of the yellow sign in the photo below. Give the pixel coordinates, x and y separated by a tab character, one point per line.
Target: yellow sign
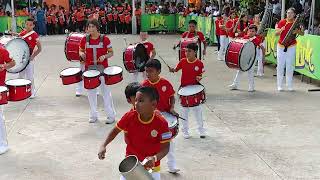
157	21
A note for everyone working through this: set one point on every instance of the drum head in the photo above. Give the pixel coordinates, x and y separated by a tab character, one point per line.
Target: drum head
140	56
3	89
91	73
190	90
248	56
18	82
19	52
112	70
70	71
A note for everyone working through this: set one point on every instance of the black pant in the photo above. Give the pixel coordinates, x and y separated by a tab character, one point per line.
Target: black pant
128	28
110	27
103	29
61	28
81	25
218	40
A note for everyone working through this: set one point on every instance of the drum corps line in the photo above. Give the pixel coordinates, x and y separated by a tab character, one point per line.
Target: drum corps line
152	122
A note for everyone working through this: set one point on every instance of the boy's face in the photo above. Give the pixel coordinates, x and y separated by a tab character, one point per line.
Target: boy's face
192	27
251	32
143	36
144	105
29	25
152	73
190	53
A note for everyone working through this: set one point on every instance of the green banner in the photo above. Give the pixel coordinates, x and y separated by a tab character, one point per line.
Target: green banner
157	22
5	23
307	53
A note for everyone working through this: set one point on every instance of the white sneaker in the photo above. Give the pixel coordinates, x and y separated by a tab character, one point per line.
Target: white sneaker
280	89
78	94
290	89
110	120
233	87
173	171
32	96
186	135
251	90
3	149
93	119
203	135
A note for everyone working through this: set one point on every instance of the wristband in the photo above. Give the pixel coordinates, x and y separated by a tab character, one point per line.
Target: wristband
155	158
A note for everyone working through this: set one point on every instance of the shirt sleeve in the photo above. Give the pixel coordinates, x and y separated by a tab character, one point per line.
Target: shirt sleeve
183	35
281	24
170	89
107	42
36	36
5	56
179	65
201	37
201	68
165	135
123	123
82	46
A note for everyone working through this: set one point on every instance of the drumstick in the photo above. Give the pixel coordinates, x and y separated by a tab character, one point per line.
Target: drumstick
164	61
125	41
178	116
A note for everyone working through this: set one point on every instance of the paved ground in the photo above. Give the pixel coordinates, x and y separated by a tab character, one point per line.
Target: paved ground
261	135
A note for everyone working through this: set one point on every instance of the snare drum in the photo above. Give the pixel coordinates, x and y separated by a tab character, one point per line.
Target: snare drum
192	95
134	57
71	75
173	123
3	95
71	46
91	79
18	50
112	75
183	45
19	89
240	54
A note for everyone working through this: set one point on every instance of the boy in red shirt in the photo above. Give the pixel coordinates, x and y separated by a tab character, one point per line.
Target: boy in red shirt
5	63
251	36
223	38
88	44
147	133
165	104
192	69
32	39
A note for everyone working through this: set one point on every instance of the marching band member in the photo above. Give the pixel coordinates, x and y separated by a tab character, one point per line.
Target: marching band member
151	54
286	53
217	25
192	70
193	33
166	102
251	35
230	25
5	63
260	53
223	38
103	53
243	26
147	132
32	39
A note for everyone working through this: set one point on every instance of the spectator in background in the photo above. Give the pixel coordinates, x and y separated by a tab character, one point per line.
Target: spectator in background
2	12
41	18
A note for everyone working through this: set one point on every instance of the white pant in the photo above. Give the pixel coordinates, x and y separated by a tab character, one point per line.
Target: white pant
223	47
155	176
171	157
285	60
136	76
250	72
259	58
28	74
107	99
197	111
79	87
3	133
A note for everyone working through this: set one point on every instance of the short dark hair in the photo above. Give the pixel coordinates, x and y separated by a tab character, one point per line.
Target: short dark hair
31	20
151	92
193	46
154	63
94	22
252	26
192	21
132	89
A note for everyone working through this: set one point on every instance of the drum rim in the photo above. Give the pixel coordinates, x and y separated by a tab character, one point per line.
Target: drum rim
133	167
83	74
18	85
65	45
113	74
4	88
255	55
124	60
191	94
14	72
72	74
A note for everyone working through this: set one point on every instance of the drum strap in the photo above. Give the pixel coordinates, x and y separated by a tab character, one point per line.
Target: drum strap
94	47
28	34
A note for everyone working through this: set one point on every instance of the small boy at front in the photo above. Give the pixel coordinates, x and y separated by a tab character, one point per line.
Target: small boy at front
147	133
165	104
192	69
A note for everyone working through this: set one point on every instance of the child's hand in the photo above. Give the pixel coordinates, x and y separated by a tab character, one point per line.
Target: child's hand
198	78
171	69
149	162
102	153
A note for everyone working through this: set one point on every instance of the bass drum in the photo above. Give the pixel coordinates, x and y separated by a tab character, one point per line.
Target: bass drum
18	50
183	45
135	57
71	46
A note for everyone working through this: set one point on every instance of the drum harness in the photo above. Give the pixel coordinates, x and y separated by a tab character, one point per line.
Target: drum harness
94	48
